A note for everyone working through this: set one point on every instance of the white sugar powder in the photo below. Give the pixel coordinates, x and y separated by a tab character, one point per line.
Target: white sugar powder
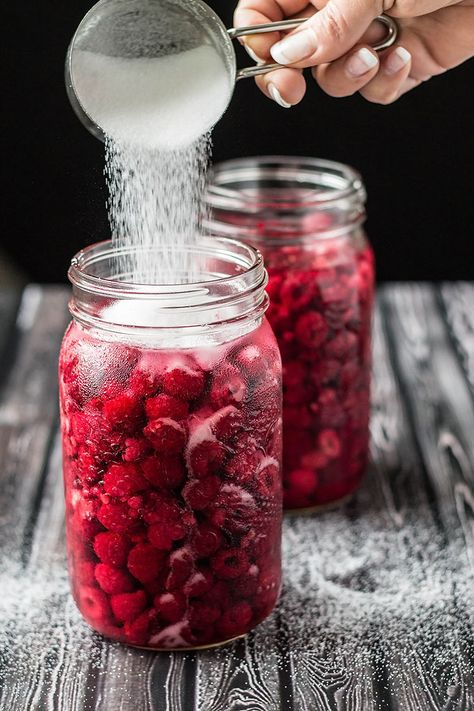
155	200
158	103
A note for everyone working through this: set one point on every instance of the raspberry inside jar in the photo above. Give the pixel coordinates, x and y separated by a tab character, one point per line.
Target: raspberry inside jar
172	467
306	217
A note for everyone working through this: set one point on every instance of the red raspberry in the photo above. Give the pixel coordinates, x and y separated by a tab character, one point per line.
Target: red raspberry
199	583
228	387
201	615
220	595
123	411
93	604
302	483
342	347
161	508
185	382
234	509
206	540
112	580
139	631
163	535
297	290
330	444
268	481
274	286
242	468
135	449
247	585
181	565
171	606
315	459
164	472
166	406
326	373
351	376
115	517
206	458
112	548
311	329
166	436
263	415
236	620
87	467
84	572
145	562
127	606
252	360
124	480
201	493
227	423
143	383
331	413
230	564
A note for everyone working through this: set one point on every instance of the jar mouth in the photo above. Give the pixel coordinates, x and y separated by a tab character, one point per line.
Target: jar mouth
283	182
231	285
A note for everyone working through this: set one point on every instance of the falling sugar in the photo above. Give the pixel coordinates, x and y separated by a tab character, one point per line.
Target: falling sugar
155	200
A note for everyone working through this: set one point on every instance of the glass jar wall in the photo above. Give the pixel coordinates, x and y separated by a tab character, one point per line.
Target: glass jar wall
171	426
306	217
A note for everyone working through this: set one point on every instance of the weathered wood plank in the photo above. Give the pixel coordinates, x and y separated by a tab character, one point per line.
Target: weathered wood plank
441	414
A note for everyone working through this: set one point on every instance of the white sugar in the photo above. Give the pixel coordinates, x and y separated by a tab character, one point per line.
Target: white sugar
155	204
161	103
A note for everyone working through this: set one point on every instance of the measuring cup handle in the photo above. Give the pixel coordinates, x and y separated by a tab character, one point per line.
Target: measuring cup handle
390	38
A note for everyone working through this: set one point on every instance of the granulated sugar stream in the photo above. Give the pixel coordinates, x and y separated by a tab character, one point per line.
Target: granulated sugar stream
155	202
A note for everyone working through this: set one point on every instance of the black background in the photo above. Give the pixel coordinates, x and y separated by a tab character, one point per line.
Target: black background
416	156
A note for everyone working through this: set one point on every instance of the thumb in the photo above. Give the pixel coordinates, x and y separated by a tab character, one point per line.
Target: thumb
328	34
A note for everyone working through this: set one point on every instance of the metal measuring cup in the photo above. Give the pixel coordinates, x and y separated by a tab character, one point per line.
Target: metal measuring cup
159	28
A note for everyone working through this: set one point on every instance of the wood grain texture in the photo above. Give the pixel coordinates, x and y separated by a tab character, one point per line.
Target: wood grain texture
317	651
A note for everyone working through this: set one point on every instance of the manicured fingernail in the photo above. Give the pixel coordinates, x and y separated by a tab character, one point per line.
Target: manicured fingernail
398	59
294	48
276	96
252	55
361	62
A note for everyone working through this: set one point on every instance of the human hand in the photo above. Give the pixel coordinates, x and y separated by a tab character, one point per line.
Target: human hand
435	35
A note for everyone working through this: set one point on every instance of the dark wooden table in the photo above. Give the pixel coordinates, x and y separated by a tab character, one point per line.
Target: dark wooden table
377	609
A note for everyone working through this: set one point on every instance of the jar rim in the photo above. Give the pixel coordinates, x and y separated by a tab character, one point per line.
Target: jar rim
327	182
220	298
100	251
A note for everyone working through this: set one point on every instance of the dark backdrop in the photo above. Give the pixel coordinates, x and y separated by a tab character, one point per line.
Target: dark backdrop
416	156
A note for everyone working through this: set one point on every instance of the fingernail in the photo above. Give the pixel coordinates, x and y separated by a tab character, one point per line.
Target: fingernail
398	59
294	48
276	96
361	62
252	55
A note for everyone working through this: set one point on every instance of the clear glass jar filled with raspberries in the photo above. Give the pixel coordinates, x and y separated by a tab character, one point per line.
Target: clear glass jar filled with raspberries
306	216
171	427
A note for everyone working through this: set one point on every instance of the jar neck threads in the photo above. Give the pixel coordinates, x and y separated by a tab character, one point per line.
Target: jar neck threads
279	201
229	294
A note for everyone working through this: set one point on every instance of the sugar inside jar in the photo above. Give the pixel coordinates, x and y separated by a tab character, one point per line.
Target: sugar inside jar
171	427
306	217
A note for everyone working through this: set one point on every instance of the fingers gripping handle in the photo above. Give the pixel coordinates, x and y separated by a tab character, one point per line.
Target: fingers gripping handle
248	72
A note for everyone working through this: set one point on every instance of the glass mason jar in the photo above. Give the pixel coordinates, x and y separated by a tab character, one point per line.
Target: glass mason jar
306	216
171	427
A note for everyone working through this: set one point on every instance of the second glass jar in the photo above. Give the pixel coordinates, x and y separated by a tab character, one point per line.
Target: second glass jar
306	216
